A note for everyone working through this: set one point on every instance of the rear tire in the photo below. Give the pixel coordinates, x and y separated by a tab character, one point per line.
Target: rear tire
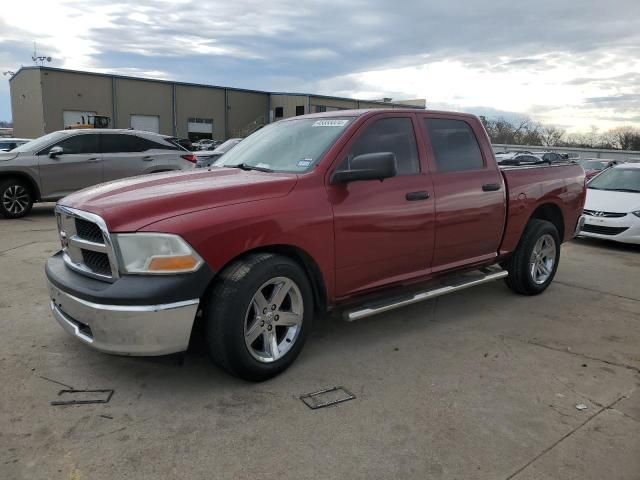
534	263
258	316
16	198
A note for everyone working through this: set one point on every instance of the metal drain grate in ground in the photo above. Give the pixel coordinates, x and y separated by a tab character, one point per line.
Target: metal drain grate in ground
326	397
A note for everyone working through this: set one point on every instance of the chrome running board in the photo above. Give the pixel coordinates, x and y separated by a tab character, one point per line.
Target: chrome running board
457	283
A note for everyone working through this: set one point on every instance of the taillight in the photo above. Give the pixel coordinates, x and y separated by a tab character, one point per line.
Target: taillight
190	158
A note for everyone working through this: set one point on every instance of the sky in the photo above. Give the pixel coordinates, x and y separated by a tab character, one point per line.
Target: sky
573	64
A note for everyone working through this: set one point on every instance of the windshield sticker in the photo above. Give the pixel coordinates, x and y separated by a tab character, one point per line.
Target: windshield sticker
330	123
304	163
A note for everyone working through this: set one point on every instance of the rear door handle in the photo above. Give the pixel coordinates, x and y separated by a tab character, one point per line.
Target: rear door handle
94	160
148	158
413	196
491	187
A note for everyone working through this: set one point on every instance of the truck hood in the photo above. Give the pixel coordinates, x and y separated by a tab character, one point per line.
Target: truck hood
611	201
130	204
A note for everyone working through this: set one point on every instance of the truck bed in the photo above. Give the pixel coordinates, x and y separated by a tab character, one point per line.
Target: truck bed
557	188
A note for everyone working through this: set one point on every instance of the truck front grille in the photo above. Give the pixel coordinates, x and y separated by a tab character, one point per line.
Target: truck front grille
89	231
97	262
86	244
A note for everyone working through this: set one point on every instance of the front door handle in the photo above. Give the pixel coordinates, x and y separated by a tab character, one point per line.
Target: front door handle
94	160
491	187
413	196
148	158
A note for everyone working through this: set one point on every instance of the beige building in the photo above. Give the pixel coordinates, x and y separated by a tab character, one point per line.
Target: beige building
47	99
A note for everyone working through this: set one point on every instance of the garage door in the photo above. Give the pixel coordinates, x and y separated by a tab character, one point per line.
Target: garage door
199	128
148	123
75	117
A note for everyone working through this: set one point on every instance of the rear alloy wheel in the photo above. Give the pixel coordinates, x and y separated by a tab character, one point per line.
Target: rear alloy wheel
543	259
258	316
15	199
535	261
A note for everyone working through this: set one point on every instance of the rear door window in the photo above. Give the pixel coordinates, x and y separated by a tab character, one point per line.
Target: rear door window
454	144
121	143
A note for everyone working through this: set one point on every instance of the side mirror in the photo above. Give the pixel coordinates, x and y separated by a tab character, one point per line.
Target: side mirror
55	151
370	166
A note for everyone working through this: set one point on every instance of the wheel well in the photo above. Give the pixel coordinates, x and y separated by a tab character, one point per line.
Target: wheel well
551	213
31	184
306	262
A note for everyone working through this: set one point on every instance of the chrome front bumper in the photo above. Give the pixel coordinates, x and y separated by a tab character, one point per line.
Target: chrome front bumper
127	330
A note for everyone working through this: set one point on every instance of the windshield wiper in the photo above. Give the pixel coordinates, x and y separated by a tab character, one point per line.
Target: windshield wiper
625	190
244	166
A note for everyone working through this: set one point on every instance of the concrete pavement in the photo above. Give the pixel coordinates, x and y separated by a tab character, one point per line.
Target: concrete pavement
481	384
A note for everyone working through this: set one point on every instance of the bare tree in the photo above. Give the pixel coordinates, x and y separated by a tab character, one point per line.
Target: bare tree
626	138
551	135
527	132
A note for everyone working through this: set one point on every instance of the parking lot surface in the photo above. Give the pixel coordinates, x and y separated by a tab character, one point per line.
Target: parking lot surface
481	384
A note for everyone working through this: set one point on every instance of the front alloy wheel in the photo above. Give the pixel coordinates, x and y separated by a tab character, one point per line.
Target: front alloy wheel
273	319
15	199
258	315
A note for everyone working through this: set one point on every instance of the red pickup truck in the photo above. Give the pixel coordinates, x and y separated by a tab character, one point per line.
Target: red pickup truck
358	211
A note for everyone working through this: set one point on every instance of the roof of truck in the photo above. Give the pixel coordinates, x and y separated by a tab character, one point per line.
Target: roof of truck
365	111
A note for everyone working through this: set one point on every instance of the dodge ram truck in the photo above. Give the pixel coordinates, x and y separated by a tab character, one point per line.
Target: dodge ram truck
358	212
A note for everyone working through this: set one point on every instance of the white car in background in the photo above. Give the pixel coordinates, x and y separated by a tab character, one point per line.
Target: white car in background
612	209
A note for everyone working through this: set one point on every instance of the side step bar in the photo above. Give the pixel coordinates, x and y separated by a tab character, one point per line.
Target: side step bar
451	285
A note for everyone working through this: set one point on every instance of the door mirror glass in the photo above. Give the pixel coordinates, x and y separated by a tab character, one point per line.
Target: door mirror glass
55	151
369	166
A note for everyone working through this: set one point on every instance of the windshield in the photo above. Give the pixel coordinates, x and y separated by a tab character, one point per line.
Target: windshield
618	179
286	146
38	143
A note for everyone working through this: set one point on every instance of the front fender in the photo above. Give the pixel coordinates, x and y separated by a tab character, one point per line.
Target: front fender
222	234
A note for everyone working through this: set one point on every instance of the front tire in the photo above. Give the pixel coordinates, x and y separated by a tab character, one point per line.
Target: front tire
534	263
258	316
16	199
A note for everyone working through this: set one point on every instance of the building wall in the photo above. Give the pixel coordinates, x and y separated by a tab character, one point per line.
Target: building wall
364	104
200	102
416	102
144	97
26	104
71	91
39	96
343	104
289	104
244	108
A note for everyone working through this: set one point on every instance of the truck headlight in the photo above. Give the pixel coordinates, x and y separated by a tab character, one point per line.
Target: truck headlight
155	253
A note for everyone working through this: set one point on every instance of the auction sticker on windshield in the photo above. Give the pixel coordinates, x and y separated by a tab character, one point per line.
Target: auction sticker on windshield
330	123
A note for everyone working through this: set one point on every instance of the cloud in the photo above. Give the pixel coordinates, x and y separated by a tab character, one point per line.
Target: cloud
504	55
